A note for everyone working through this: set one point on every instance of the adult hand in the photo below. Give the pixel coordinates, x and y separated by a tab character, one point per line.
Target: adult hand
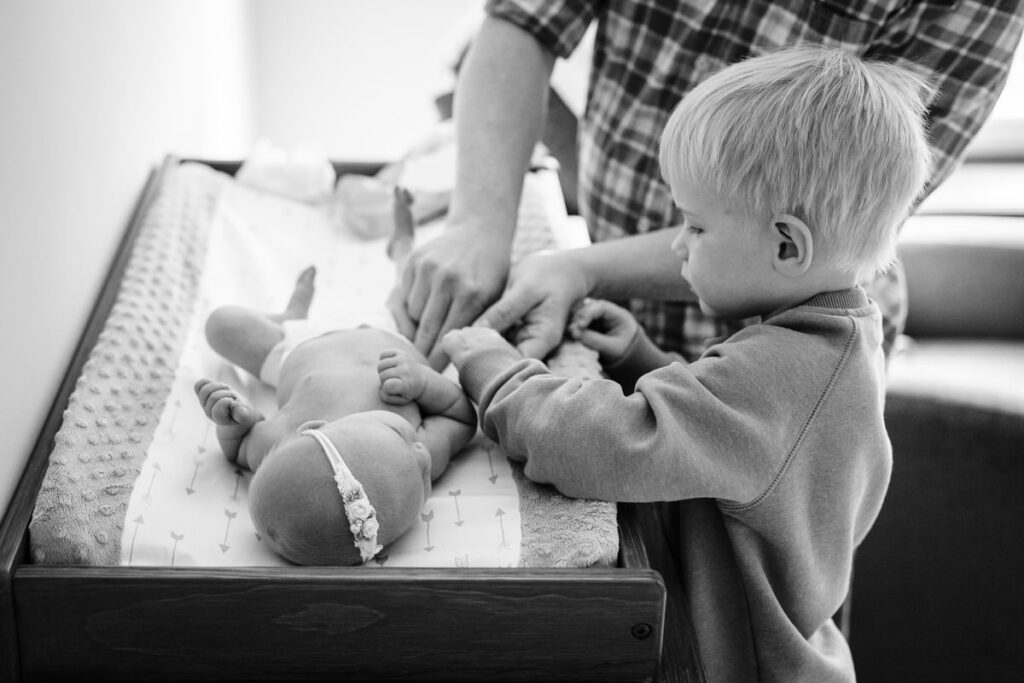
542	290
446	283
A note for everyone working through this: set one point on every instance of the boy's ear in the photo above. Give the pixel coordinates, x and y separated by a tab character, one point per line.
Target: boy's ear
793	244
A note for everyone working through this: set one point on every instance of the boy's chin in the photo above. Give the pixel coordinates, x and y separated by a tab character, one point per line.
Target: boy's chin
708	310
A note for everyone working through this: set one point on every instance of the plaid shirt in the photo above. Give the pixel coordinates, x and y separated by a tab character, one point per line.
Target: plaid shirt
647	55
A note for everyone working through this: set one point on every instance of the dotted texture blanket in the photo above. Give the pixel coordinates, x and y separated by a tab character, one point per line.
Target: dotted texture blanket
126	384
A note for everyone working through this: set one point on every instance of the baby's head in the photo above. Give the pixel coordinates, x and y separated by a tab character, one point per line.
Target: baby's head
805	144
310	509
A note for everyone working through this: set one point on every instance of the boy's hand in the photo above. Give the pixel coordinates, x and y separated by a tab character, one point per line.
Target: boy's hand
458	344
604	327
223	406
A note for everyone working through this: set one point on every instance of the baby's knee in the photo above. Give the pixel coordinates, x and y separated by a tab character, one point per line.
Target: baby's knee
224	326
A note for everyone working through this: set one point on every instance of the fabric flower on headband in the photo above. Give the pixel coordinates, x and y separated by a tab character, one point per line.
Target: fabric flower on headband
362	517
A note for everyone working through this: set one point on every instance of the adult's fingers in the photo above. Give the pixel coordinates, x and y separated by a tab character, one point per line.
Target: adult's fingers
396	304
417	288
541	331
539	341
504	313
429	328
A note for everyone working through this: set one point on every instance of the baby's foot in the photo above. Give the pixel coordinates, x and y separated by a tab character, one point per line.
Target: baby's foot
233	417
402	379
403	235
302	297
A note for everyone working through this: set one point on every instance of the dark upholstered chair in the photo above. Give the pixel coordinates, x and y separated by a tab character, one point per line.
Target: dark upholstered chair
938	588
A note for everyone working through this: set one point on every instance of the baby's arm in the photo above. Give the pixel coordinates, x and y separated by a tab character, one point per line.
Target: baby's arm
234	418
449	420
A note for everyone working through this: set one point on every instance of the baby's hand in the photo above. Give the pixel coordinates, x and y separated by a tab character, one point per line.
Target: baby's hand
402	379
222	404
458	344
604	327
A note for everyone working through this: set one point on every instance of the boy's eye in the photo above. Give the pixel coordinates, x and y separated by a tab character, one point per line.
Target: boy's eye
694	230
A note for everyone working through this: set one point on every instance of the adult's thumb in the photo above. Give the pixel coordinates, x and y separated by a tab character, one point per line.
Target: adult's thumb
536	347
501	315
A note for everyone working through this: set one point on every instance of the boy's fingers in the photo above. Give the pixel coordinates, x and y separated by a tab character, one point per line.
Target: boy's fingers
594	340
586	314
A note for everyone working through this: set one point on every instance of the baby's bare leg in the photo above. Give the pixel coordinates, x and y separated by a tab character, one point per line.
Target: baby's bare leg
245	336
301	299
403	236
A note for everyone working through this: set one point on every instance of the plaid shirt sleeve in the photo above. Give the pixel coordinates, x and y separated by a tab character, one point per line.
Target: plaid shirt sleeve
966	48
558	26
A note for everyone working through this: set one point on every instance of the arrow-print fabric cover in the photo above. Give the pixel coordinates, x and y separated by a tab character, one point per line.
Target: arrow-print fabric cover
137	478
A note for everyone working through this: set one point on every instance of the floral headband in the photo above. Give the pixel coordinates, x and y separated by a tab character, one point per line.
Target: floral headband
362	517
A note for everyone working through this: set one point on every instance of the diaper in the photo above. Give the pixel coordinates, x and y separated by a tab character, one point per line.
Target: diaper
299	331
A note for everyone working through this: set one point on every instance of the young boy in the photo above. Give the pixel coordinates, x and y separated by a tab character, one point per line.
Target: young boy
363	427
793	172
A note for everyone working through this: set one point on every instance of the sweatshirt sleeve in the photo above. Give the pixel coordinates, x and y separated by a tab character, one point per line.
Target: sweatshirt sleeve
641	356
720	427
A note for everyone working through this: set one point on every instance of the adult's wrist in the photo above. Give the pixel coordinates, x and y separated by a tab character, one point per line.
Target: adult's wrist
580	262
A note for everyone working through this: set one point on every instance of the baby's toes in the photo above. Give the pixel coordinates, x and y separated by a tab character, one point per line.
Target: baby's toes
220	412
394	390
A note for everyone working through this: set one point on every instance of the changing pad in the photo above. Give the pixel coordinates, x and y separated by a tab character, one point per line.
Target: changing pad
136	476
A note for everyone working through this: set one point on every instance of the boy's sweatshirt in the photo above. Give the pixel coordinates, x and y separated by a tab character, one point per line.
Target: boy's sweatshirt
774	446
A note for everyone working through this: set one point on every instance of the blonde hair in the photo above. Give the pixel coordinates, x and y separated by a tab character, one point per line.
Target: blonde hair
816	132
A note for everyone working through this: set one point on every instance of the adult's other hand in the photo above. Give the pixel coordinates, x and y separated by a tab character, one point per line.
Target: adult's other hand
542	290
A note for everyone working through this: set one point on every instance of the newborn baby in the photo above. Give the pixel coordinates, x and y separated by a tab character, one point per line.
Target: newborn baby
362	429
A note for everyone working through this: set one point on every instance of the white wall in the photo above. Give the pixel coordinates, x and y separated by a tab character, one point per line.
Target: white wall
96	93
354	78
